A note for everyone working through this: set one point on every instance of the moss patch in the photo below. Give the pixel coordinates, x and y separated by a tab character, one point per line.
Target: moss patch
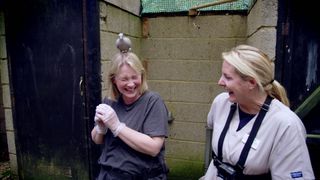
186	170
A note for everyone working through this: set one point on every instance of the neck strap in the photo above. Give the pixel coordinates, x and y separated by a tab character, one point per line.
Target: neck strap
253	133
225	129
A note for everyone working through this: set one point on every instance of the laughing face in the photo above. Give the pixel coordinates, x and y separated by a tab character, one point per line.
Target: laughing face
128	82
237	87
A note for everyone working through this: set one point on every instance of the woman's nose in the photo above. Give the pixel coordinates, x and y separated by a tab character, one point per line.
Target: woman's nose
221	82
130	83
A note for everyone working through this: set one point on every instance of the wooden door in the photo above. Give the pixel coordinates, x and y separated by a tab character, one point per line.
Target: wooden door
298	66
53	56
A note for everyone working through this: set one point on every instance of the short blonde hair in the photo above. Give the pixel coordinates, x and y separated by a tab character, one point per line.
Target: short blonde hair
133	61
252	62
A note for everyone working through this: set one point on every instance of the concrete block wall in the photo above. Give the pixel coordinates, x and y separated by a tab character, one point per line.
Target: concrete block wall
132	6
262	26
3	134
6	99
113	20
183	59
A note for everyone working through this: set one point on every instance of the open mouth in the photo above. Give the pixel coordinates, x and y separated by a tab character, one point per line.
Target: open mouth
230	92
130	90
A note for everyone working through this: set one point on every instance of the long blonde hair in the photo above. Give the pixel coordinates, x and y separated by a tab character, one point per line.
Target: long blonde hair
252	62
117	61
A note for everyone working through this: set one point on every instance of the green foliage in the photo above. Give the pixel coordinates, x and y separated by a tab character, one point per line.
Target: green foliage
6	175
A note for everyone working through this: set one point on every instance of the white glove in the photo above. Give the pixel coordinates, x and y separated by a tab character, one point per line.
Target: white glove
109	117
99	125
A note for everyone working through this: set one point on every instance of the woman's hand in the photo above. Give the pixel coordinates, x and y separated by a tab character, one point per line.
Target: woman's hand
109	118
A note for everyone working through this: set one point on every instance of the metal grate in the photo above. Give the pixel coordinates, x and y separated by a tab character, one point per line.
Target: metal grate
171	6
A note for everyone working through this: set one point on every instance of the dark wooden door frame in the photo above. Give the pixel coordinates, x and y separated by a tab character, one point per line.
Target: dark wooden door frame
297	66
297	36
54	66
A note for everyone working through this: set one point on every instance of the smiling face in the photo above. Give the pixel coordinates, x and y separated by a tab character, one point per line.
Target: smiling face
237	87
128	82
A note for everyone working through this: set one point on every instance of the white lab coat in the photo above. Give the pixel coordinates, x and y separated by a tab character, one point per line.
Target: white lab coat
280	145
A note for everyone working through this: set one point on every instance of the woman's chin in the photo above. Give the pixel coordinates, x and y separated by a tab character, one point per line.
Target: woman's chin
130	96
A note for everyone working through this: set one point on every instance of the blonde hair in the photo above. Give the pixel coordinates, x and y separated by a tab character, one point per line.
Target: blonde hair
117	61
252	62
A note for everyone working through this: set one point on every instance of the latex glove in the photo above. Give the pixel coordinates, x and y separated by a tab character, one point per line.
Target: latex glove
101	128
109	118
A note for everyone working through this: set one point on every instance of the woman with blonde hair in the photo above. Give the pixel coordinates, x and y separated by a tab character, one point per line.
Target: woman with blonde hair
255	134
131	124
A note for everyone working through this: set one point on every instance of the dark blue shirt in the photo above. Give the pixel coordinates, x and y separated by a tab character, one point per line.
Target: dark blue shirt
244	118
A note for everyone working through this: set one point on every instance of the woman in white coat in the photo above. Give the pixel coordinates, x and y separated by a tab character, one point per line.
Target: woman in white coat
278	147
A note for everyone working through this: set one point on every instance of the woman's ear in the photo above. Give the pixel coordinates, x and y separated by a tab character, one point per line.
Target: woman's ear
252	83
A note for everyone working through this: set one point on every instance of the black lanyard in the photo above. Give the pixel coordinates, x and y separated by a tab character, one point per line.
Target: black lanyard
253	133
